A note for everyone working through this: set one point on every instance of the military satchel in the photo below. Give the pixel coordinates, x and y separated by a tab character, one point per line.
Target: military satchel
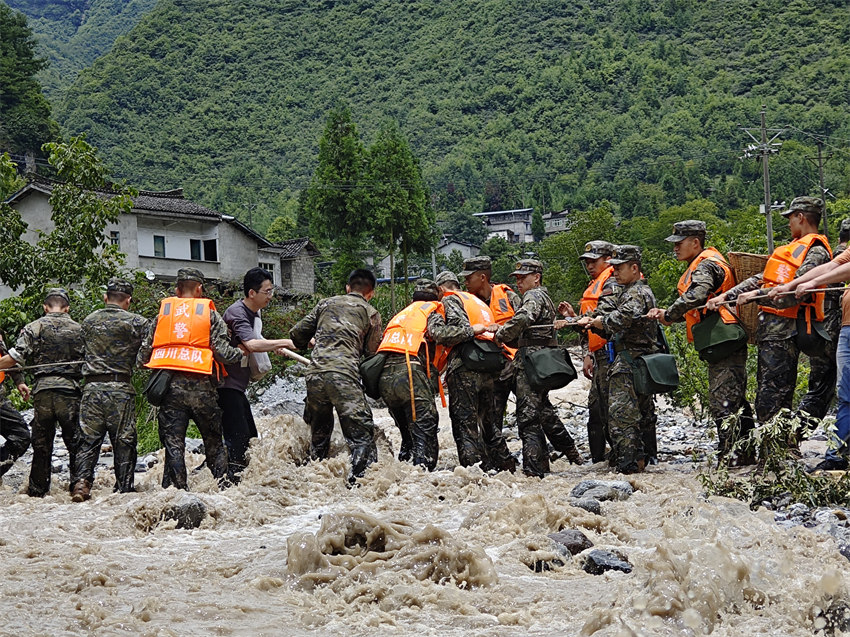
715	339
370	372
655	374
481	355
158	386
812	338
548	368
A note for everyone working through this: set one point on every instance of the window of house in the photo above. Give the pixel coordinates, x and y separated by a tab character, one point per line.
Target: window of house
115	238
158	246
210	250
269	267
195	249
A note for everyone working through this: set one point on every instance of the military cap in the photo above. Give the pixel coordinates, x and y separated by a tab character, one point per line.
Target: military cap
60	292
597	249
190	274
426	285
813	205
528	266
445	276
473	265
119	285
845	225
624	254
684	229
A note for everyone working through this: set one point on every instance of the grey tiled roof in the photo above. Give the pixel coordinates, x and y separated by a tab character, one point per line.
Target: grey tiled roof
292	247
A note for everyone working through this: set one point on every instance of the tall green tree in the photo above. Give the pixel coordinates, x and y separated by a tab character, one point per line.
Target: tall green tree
396	199
334	200
538	227
25	122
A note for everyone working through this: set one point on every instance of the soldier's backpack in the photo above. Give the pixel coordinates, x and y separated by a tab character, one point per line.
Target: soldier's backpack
481	355
715	340
158	386
654	373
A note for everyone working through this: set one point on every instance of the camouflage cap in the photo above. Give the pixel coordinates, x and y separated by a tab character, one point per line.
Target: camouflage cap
190	274
845	225
62	293
624	254
812	205
426	285
473	265
447	275
597	249
684	229
527	266
119	285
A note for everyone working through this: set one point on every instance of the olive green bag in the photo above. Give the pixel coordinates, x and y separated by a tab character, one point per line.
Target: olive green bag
656	374
811	339
715	340
548	368
370	372
158	386
481	355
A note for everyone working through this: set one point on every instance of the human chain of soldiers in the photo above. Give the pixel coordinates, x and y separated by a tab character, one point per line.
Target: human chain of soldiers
486	342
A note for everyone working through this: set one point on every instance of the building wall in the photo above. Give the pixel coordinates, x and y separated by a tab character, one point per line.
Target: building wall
271	262
299	273
237	252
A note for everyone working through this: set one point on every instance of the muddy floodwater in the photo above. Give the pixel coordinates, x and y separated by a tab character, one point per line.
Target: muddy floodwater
293	551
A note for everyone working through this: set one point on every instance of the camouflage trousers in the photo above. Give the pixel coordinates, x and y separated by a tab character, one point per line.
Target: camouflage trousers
108	408
190	396
727	394
823	377
631	421
419	433
473	427
597	407
15	431
327	391
53	407
777	377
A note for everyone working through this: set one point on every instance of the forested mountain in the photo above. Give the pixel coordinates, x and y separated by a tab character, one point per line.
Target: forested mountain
548	103
72	33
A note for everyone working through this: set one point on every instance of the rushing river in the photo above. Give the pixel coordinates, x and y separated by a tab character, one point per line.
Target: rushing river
292	551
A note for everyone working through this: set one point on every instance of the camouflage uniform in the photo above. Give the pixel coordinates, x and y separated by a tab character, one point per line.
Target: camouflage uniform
471	401
778	353
631	421
532	329
823	372
12	425
727	379
53	338
192	396
346	327
112	338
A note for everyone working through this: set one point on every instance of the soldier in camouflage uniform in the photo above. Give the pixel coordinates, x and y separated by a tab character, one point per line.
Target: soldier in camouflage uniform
727	379
112	337
12	425
192	395
531	329
622	319
477	272
345	328
50	343
470	391
778	352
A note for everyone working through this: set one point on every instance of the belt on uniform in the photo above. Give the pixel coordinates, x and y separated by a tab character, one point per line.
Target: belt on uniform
110	378
537	342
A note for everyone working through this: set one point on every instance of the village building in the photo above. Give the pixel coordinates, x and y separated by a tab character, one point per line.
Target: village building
556	222
514	226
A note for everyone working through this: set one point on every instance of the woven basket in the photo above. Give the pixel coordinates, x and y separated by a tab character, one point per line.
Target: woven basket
746	265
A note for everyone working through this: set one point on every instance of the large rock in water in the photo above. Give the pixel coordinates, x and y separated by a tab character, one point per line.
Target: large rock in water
189	511
598	561
603	489
572	540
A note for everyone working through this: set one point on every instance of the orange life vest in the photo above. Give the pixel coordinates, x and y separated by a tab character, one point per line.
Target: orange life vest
182	338
406	330
502	310
476	310
782	266
693	317
2	376
589	301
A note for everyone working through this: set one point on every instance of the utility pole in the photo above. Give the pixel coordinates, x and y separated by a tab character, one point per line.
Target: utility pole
823	191
763	148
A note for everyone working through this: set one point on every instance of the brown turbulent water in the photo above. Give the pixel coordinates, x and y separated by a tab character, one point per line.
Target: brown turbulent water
293	551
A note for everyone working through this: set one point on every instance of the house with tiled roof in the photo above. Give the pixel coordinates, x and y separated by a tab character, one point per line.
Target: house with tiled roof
163	233
297	265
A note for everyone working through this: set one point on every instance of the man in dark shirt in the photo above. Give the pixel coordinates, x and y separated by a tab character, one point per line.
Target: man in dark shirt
242	319
345	328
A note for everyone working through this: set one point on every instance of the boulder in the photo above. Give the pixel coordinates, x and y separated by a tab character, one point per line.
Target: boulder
598	561
588	504
603	489
189	511
572	540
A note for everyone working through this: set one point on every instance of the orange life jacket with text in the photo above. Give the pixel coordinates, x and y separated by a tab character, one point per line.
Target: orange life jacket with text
782	266
502	310
693	317
406	331
589	301
182	338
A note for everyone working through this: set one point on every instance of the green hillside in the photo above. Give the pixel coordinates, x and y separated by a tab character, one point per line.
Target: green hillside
506	102
73	33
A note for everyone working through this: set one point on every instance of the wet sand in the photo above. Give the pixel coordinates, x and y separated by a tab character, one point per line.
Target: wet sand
293	551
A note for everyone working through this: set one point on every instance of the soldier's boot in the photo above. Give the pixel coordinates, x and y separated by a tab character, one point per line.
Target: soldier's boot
573	454
81	491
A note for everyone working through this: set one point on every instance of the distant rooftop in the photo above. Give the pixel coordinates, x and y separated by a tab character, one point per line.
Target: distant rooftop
500	212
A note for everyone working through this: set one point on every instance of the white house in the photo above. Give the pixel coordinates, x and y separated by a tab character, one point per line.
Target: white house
514	226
